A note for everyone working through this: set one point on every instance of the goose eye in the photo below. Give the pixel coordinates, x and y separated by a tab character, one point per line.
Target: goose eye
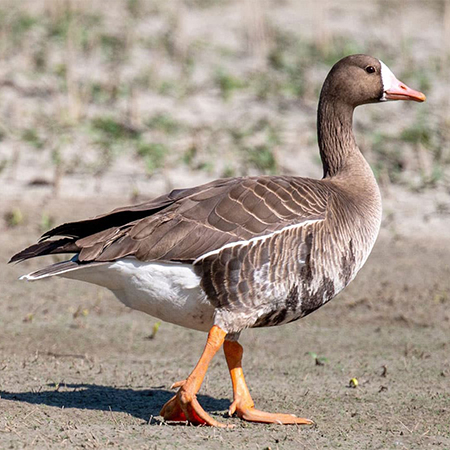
370	69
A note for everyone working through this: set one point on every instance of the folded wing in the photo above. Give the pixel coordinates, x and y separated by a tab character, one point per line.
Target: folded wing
187	223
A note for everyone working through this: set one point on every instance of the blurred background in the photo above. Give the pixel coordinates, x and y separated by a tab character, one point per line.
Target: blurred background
130	98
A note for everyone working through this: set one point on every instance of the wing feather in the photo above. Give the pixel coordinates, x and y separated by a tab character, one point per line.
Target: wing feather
188	223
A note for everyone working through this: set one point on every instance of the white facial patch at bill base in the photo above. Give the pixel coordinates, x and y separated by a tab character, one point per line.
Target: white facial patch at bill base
387	78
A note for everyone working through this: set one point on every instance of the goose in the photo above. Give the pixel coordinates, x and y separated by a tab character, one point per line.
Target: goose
244	252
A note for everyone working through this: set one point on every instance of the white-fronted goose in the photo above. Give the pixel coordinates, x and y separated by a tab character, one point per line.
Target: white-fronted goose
242	252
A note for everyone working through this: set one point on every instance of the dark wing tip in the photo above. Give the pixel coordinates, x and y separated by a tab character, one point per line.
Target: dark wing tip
60	230
65	245
15	258
22	255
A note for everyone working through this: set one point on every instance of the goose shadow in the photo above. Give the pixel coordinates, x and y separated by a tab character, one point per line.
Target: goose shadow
143	404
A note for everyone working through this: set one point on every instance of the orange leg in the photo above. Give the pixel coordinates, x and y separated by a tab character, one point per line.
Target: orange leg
242	401
184	406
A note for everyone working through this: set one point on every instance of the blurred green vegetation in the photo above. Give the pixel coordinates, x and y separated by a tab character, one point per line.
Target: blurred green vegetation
153	153
81	77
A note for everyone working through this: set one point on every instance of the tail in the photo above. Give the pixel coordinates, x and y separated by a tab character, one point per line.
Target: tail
57	269
103	227
107	224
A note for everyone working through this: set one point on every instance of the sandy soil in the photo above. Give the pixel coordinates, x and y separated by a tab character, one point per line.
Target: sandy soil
77	369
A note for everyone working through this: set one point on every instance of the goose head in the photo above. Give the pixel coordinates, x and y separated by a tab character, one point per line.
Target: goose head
360	79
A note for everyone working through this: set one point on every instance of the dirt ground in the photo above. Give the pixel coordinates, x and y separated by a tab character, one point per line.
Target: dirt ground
85	93
77	369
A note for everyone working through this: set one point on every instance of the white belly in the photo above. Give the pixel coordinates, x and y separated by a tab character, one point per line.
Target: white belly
168	291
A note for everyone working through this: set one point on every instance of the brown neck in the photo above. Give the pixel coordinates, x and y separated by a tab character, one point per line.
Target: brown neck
334	129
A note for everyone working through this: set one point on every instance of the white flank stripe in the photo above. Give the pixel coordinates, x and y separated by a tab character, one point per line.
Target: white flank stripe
256	239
